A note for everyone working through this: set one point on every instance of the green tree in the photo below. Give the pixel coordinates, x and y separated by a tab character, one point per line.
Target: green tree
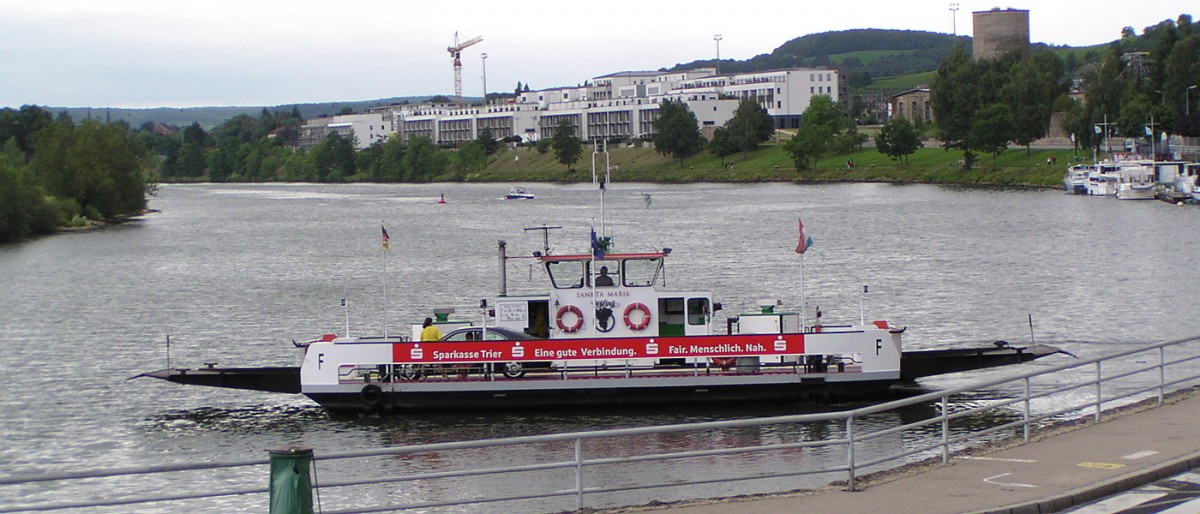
567	147
100	167
1182	72
1033	86
677	132
423	161
722	145
799	148
471	157
898	140
334	158
954	97
1077	124
750	126
391	162
488	141
191	160
23	207
823	123
1105	88
11	153
22	125
991	128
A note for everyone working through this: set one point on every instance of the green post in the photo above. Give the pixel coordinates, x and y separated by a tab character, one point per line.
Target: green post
291	486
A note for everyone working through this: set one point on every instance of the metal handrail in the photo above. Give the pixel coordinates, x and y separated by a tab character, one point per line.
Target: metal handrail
941	440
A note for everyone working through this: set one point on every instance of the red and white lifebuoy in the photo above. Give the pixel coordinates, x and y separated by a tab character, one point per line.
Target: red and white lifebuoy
640	325
578	318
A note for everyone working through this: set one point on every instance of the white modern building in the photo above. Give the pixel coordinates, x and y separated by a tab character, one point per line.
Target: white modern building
365	129
621	105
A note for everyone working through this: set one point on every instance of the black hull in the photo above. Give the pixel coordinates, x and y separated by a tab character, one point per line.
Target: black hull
924	363
914	365
283	379
815	391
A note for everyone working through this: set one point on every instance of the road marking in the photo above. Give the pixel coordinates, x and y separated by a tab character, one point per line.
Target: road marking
1188	477
1118	503
1100	465
1140	455
998	459
1008	484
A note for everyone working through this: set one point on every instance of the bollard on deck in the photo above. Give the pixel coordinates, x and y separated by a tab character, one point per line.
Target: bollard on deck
291	485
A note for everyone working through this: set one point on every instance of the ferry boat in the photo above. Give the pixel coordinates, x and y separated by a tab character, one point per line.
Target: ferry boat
630	343
625	343
586	343
607	331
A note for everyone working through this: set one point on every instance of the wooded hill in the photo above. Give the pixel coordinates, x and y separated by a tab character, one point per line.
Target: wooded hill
210	117
865	55
880	53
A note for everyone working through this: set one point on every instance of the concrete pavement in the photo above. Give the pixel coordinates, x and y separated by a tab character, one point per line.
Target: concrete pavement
1066	467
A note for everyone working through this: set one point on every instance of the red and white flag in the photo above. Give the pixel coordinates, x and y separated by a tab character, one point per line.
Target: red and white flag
806	241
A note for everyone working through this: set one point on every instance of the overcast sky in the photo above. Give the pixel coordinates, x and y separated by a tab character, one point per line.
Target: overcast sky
141	53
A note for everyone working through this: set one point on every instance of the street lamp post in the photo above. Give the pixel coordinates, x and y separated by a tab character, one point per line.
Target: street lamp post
483	59
1187	93
717	38
954	18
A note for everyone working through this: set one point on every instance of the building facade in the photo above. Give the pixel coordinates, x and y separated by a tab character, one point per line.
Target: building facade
913	105
365	129
620	105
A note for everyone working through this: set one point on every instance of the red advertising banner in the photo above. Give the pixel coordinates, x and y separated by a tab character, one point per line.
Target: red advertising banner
588	349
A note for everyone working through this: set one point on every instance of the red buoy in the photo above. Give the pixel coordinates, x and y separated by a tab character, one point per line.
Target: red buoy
443	199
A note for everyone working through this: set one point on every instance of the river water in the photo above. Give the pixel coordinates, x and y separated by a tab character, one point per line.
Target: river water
234	273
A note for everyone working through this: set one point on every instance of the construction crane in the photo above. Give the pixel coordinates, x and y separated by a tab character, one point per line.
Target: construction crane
456	54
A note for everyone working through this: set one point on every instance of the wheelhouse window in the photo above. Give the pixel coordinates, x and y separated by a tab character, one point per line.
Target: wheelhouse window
567	274
697	311
641	272
607	273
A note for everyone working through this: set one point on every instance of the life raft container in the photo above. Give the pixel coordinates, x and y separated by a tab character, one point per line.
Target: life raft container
578	318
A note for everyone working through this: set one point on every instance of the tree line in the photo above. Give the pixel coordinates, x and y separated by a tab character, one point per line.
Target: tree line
55	172
1139	78
1139	89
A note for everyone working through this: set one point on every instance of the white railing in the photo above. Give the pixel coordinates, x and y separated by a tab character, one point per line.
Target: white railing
1068	392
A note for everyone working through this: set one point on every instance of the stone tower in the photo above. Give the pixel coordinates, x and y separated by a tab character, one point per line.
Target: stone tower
998	32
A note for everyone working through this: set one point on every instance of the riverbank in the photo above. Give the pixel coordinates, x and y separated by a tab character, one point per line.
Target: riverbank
1014	167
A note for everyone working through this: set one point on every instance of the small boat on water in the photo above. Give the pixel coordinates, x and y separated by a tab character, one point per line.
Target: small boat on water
519	193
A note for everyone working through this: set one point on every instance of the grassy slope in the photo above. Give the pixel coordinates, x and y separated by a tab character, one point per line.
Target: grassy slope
770	163
903	82
867	56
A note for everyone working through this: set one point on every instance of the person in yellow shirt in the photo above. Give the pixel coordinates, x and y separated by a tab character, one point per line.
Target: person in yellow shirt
430	332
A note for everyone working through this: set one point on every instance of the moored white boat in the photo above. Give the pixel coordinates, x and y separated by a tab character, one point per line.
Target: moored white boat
1075	180
1136	181
1102	181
